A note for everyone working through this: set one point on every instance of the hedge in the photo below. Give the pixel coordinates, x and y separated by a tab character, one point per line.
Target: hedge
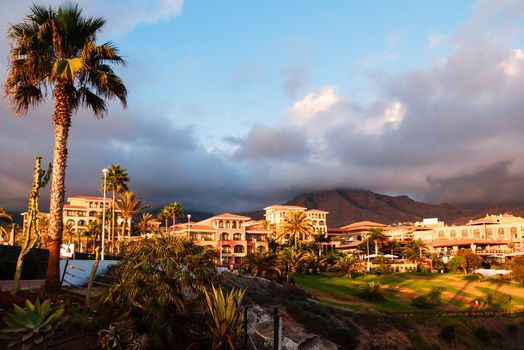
35	263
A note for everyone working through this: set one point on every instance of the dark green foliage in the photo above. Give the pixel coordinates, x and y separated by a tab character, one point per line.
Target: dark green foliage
496	298
430	300
35	263
371	291
117	336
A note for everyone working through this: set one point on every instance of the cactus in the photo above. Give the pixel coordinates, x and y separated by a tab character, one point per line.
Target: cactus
31	235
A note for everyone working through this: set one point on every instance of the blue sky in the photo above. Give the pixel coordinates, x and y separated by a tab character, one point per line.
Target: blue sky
234	105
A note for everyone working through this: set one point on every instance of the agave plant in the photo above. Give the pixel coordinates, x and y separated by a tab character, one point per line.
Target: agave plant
118	336
226	317
33	326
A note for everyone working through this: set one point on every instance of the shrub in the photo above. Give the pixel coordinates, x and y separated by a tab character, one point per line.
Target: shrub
33	326
117	336
482	334
372	291
430	300
496	298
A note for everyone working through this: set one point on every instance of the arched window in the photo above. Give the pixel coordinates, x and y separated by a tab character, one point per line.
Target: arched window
476	233
234	224
464	233
513	231
228	224
501	233
226	249
441	234
221	224
81	223
239	249
321	223
237	236
93	214
71	222
453	234
225	236
489	233
314	222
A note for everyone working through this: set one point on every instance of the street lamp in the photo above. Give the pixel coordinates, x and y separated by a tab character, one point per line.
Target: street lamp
188	226
104	172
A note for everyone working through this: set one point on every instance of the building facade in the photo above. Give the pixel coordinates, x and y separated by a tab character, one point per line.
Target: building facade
230	235
276	215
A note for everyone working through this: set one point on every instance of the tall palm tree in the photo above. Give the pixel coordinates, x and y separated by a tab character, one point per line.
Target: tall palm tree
348	264
175	210
43	227
297	226
54	50
294	258
129	205
94	231
164	215
116	182
377	236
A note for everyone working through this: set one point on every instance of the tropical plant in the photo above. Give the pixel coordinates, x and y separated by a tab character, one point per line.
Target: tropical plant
225	317
31	327
116	182
296	226
93	231
262	263
154	281
117	336
54	50
497	298
371	291
31	234
129	205
43	228
318	239
6	219
146	223
174	210
5	215
294	258
164	215
377	236
348	264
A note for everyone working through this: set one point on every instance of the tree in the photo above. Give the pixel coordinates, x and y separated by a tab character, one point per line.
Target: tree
164	215
262	263
348	264
517	268
414	250
43	227
296	226
294	258
94	231
146	223
377	236
129	205
174	210
116	182
54	50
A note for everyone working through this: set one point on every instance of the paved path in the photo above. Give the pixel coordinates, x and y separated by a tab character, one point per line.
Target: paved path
24	284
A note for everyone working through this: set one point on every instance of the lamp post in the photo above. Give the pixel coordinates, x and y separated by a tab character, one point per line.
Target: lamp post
188	226
367	239
104	172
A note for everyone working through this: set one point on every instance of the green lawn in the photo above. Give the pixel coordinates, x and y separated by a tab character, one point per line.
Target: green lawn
402	288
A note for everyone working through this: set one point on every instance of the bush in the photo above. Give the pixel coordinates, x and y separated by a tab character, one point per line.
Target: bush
430	300
35	263
496	298
372	291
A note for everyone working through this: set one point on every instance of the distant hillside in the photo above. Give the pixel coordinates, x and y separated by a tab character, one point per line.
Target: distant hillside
349	205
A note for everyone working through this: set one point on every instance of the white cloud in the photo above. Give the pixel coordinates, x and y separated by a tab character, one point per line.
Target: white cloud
513	64
313	103
391	116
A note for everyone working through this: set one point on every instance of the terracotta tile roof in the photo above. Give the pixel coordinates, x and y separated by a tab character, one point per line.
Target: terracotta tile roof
256	230
231	216
281	206
349	245
465	242
361	225
317	211
194	226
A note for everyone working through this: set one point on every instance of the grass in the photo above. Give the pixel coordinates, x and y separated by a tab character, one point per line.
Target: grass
401	288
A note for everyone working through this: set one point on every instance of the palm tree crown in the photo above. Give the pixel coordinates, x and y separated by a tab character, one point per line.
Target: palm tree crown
297	226
116	182
130	205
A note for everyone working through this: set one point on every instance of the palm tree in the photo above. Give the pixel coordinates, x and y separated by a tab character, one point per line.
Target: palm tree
377	236
43	227
174	210
348	264
294	258
297	226
54	50
262	263
146	223
164	215
129	205
116	182
94	230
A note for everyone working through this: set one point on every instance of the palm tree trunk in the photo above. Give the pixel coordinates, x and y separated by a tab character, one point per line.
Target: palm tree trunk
174	222
64	94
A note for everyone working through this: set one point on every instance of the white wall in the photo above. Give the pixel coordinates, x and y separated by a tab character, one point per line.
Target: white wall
82	269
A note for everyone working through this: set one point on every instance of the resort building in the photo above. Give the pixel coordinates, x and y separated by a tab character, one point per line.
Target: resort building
276	214
230	234
82	210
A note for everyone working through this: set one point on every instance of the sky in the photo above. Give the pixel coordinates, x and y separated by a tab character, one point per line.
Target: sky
234	105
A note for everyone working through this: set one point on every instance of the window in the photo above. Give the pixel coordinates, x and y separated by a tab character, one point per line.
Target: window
234	225
225	236
464	233
453	234
476	233
239	249
321	223
441	234
513	231
221	224
237	237
226	249
489	233
501	233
